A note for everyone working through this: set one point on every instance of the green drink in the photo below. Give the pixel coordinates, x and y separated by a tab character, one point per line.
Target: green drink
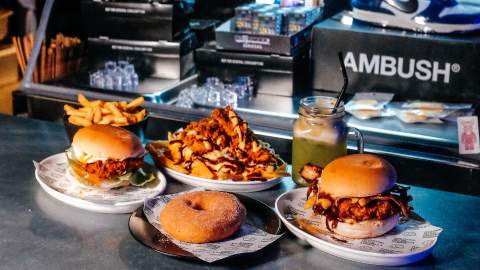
305	150
319	135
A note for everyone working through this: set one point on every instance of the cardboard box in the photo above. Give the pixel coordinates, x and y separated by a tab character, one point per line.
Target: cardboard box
272	74
160	59
136	21
229	39
411	65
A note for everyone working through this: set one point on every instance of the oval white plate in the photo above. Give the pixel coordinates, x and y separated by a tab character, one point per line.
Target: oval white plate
63	188
223	185
284	201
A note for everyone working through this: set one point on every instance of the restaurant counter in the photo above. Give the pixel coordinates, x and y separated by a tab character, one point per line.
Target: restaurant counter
425	154
39	232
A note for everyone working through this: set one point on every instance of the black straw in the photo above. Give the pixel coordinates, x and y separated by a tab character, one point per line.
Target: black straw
345	82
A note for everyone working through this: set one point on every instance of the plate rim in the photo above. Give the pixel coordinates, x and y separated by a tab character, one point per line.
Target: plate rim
84	204
132	215
213	181
280	230
331	245
224	182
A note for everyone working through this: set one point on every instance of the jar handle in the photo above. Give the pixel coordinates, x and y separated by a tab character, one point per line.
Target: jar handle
359	137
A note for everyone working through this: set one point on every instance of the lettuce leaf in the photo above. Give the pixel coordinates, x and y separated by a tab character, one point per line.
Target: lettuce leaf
141	177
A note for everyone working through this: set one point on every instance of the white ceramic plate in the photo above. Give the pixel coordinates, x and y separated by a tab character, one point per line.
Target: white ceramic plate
223	185
52	175
345	249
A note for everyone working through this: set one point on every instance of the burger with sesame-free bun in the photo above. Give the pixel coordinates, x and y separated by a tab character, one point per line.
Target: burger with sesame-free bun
107	157
356	195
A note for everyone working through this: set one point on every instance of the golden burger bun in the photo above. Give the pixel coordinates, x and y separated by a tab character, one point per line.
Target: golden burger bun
105	141
358	175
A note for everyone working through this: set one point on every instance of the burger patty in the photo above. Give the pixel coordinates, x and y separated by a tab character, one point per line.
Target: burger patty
111	168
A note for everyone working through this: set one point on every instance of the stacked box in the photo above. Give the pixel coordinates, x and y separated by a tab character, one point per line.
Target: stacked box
153	35
272	20
272	74
135	21
157	59
244	16
300	18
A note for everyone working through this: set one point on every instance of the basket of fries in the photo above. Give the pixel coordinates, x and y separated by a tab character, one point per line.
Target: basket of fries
129	115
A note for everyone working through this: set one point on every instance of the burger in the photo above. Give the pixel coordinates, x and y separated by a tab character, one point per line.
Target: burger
108	157
356	195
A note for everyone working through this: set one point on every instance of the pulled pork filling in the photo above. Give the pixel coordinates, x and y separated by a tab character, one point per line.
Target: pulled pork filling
352	210
112	168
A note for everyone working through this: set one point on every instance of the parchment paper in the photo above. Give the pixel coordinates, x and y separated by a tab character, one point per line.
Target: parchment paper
411	236
53	172
248	239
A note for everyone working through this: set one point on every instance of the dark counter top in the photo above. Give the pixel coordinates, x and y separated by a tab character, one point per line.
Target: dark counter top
39	232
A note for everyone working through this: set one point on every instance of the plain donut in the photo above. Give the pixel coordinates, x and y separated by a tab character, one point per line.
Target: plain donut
202	216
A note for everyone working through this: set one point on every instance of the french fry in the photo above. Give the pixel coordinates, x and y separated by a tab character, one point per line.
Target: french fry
68	108
97	115
109	103
83	100
120	120
89	114
83	109
96	103
105	110
135	103
105	121
171	164
201	170
131	118
79	121
113	108
109	118
140	115
123	105
106	113
76	113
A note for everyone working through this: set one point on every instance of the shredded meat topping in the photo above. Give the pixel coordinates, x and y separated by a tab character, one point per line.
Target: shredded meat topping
360	209
375	209
225	148
111	168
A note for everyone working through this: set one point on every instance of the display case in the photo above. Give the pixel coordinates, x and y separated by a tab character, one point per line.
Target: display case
425	154
67	54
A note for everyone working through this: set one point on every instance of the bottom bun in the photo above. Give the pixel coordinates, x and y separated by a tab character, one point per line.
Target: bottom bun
363	229
368	228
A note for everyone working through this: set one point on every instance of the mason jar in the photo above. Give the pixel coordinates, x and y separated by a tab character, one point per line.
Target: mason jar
319	134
